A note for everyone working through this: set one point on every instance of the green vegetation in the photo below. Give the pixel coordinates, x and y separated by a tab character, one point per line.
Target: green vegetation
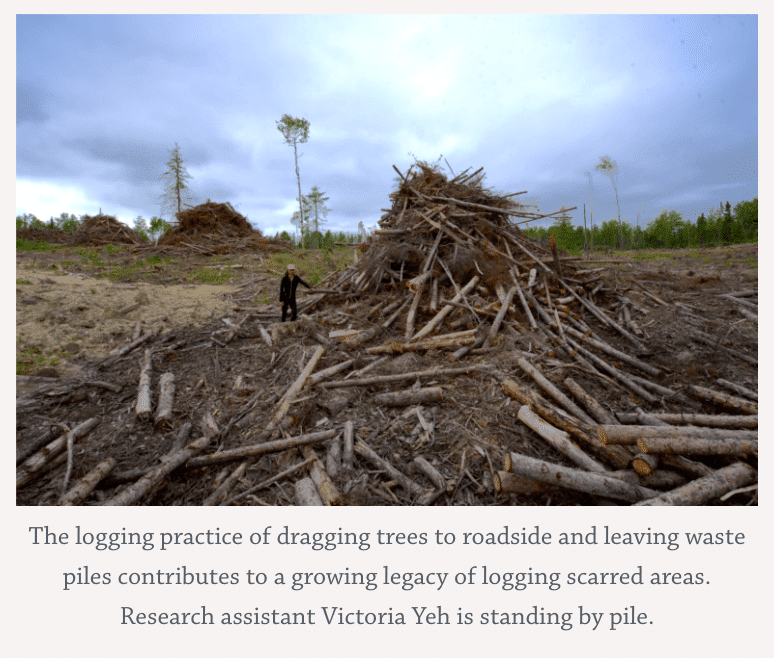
28	245
23	282
667	231
31	357
212	275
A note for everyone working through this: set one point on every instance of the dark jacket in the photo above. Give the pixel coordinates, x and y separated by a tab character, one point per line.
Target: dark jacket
288	288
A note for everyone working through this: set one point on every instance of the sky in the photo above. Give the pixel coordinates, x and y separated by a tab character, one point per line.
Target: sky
535	100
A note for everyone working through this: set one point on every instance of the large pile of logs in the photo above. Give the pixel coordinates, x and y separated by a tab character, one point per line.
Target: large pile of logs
104	229
489	317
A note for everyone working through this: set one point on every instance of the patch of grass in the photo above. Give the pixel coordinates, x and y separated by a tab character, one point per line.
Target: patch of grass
31	357
752	262
212	275
23	282
90	257
28	245
153	260
113	249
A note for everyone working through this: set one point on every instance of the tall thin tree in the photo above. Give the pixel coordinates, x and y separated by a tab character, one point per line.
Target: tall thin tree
610	169
295	131
176	188
316	202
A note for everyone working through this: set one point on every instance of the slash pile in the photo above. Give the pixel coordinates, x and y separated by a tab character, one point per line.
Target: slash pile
406	366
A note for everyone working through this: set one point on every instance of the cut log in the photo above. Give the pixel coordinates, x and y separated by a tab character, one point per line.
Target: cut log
143	409
325	487
702	420
660	479
616	456
554	392
707	488
436	343
645	464
737	388
34	465
163	420
441	315
88	483
333	457
693	446
146	484
505	482
560	440
348	450
245	452
596	484
317	377
417	374
219	495
431	472
628	434
365	451
267	483
410	396
306	493
600	414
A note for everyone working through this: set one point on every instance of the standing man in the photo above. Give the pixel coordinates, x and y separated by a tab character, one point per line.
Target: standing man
288	291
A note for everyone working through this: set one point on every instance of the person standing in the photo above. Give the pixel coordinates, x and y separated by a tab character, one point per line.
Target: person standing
288	287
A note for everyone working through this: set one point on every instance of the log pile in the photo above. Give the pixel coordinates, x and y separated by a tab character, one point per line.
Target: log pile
104	229
457	362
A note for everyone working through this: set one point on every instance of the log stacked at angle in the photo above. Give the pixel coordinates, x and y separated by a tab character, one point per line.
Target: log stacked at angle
454	250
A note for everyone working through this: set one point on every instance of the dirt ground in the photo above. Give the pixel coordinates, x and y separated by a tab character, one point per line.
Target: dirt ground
68	317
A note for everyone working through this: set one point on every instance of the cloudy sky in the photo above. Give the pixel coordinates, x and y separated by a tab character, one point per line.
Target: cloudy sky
535	100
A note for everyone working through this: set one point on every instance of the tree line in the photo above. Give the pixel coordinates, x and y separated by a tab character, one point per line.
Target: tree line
668	230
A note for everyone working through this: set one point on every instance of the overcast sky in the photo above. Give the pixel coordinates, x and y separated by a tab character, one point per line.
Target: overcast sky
535	100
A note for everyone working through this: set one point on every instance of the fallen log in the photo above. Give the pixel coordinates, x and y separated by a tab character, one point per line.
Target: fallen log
559	440
143	408
306	493
702	420
441	315
418	374
737	388
694	446
628	434
600	414
87	483
146	484
255	450
220	493
505	482
707	488
34	465
267	483
163	420
410	396
325	487
364	450
596	484
660	479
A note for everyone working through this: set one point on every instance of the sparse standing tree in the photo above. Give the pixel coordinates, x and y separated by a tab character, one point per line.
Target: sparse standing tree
175	187
610	169
295	131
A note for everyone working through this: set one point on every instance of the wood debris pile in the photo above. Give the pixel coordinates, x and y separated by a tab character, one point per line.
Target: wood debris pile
40	234
104	229
457	362
216	228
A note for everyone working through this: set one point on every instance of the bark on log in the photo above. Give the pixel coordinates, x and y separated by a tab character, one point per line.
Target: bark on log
146	484
599	413
702	420
362	337
255	450
616	456
220	493
435	343
317	377
37	443
410	396
349	446
628	434
596	484
265	335
143	409
693	446
306	493
333	457
431	472
560	440
707	488
325	487
554	392
506	304
741	390
441	315
88	483
416	284
33	466
523	299
417	374
505	482
365	451
714	343
622	356
267	483
725	400
660	479
163	420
